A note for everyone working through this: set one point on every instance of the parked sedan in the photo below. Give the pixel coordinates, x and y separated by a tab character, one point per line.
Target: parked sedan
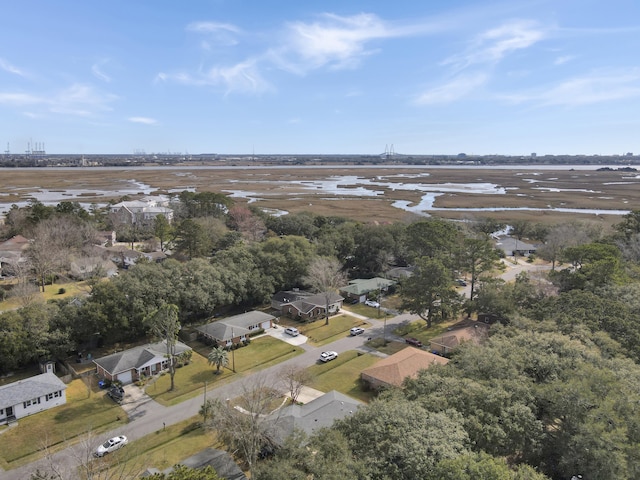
356	331
413	341
372	303
327	356
111	445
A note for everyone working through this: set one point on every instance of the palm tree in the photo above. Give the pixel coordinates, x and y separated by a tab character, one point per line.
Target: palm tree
218	357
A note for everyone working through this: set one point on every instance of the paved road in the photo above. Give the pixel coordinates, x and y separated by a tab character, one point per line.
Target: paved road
147	416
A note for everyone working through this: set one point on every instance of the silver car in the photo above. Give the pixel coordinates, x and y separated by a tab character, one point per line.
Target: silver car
111	445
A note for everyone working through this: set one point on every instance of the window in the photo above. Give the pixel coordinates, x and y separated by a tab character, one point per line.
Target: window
1	412
49	396
57	394
26	404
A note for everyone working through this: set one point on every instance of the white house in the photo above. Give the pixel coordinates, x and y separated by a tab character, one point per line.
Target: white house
31	395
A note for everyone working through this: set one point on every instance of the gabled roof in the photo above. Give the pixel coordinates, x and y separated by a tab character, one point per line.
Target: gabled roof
137	357
362	286
318	413
307	304
29	388
406	363
247	319
14	246
222	331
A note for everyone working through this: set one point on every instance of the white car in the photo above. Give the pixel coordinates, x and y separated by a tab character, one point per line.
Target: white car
356	331
292	331
371	303
111	445
327	356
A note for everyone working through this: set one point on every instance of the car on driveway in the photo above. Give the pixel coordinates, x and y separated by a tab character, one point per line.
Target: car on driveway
372	303
116	392
356	331
328	356
461	282
292	331
413	342
111	445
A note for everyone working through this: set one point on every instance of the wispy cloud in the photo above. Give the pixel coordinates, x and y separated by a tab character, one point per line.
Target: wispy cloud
563	59
590	89
97	71
215	34
143	120
242	77
9	68
455	89
493	45
78	99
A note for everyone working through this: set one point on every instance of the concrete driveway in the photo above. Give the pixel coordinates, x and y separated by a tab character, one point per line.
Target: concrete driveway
278	332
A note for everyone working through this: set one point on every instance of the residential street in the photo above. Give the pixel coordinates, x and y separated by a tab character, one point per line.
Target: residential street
147	416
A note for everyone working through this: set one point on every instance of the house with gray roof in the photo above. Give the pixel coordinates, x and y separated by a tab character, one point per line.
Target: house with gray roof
31	395
319	413
236	329
359	288
129	365
222	462
313	307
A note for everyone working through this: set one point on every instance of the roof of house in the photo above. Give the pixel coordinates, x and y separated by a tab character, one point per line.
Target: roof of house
509	244
245	320
474	333
222	331
29	388
406	363
400	272
136	357
306	305
318	413
362	286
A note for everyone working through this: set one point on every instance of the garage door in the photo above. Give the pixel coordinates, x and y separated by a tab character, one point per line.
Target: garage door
125	377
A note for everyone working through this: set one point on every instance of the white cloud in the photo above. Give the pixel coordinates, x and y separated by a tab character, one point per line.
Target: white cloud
458	87
595	88
493	45
7	67
216	34
20	99
143	120
96	69
563	59
242	77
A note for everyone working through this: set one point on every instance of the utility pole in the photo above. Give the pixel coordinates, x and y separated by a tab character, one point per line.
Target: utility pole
233	354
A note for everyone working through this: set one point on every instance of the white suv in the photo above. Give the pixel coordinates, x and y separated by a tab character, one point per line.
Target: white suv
292	331
327	356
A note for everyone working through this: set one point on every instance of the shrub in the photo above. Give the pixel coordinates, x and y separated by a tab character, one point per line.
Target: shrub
62	291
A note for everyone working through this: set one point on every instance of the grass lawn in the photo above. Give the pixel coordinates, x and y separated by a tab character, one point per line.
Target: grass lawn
419	330
321	334
362	309
54	428
161	449
390	348
189	380
50	293
343	374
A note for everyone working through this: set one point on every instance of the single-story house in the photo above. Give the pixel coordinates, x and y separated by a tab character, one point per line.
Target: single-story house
284	297
143	211
400	273
391	371
237	328
314	306
85	267
448	342
128	366
359	288
512	246
319	413
221	461
31	395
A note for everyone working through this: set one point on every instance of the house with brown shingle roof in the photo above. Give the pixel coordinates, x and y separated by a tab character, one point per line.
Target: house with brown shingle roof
391	371
448	342
12	251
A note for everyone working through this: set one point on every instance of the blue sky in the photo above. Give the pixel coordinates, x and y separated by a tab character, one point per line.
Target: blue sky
236	76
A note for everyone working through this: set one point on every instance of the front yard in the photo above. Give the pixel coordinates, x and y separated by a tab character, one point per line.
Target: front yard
55	428
343	374
320	334
189	380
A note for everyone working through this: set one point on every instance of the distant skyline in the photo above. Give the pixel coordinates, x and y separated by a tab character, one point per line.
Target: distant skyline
331	77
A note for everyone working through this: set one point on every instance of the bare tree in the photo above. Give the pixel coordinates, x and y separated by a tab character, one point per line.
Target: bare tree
165	324
294	379
325	276
242	423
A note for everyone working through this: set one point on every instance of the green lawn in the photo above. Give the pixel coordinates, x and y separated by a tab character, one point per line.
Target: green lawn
321	334
50	293
189	380
390	348
343	374
162	449
56	427
419	330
